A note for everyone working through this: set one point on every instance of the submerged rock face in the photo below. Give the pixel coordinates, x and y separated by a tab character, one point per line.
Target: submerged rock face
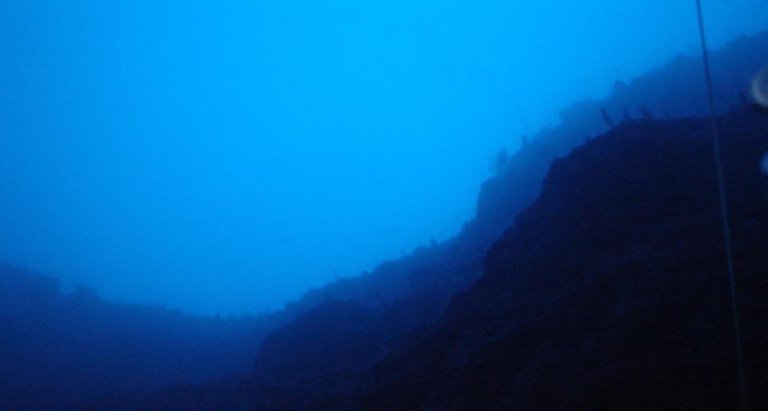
610	292
65	351
600	222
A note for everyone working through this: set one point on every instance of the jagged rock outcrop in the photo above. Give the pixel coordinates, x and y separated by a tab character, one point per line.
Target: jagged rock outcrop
610	291
479	350
413	291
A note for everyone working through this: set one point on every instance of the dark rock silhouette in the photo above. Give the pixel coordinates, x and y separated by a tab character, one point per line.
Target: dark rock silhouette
59	351
610	292
609	287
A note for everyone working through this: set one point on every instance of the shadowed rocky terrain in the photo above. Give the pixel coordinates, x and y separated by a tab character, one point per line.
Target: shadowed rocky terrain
591	277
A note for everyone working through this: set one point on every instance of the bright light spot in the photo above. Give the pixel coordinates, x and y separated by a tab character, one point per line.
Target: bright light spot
760	89
764	163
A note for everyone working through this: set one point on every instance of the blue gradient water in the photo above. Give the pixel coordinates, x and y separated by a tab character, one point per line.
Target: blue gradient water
224	156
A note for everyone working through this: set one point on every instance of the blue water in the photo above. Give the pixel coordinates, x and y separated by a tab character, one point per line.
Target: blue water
224	157
172	170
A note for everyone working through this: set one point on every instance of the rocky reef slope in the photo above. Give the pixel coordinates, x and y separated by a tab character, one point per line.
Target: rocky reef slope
610	291
637	201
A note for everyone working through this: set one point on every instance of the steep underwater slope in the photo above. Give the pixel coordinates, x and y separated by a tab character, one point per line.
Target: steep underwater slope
412	292
403	295
426	278
59	351
609	292
674	90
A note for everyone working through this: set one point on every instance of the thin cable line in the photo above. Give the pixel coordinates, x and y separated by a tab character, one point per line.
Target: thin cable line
724	214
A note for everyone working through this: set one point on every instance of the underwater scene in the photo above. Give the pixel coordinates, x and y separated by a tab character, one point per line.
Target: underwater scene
247	205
